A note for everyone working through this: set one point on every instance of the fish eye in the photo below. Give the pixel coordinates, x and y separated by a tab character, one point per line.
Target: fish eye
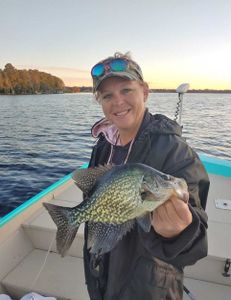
143	195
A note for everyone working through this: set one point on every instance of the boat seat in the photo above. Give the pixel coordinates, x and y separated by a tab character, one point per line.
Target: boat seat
213	291
41	230
62	278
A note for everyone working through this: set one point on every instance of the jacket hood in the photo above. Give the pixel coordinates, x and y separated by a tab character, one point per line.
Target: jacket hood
151	124
107	129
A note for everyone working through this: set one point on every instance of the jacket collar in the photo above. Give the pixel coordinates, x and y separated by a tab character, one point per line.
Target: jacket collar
157	124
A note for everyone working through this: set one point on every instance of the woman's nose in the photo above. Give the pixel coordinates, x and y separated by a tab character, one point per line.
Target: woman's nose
118	99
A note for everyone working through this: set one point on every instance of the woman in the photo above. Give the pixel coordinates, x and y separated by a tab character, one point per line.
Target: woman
145	265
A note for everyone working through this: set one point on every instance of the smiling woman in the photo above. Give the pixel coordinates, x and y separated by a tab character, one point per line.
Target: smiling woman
130	134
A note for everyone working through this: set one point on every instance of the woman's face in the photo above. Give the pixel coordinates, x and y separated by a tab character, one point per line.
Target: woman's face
123	102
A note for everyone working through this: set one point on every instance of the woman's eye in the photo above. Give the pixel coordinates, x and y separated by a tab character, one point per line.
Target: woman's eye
107	97
126	91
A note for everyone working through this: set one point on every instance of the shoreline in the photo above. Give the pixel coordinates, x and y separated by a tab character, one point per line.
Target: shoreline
86	90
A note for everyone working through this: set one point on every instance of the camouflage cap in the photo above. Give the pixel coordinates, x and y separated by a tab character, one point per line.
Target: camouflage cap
132	71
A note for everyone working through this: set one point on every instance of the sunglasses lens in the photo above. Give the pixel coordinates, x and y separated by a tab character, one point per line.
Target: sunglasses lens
118	65
97	70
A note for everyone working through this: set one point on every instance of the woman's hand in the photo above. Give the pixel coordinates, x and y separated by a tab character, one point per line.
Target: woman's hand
171	218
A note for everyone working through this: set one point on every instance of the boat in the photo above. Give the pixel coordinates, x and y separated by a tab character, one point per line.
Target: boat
29	261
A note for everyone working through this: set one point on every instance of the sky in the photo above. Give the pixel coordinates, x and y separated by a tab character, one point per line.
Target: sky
173	41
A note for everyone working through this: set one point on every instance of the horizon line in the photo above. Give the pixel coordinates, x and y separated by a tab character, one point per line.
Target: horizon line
159	89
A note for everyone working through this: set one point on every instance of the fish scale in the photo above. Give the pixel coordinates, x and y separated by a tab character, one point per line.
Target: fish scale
119	210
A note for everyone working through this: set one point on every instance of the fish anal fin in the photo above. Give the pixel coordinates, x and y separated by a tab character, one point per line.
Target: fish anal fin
64	239
103	237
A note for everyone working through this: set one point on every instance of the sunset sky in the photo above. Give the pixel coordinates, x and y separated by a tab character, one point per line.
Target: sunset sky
174	41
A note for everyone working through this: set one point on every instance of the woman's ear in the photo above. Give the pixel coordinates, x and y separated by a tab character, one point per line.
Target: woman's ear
146	91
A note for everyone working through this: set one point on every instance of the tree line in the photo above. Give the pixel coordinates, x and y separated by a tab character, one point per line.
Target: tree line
13	81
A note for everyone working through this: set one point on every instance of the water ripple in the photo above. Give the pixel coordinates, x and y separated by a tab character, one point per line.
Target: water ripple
45	137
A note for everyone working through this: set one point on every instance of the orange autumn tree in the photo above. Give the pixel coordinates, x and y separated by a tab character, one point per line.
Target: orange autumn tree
13	81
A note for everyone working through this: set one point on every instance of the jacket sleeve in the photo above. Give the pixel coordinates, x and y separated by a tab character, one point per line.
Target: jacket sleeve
191	244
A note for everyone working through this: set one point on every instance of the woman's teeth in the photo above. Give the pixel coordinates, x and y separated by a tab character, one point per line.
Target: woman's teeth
122	113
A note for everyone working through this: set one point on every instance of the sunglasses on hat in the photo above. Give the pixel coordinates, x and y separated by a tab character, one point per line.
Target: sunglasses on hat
115	65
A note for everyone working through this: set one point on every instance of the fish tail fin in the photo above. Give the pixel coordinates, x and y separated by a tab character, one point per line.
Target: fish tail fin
66	223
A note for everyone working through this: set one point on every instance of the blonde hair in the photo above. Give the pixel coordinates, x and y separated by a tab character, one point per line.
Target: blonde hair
117	54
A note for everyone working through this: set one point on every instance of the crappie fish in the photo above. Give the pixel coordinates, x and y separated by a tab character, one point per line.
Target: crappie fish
115	197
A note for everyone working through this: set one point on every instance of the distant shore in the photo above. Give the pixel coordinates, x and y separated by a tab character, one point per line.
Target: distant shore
89	90
85	89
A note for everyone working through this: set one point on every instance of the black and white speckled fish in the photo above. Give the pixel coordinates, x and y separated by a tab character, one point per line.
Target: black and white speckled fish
115	197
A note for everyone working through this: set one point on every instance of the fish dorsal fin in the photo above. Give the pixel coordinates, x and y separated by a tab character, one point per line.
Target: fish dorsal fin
85	179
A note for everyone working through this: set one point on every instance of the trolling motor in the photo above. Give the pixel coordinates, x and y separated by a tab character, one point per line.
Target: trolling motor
183	88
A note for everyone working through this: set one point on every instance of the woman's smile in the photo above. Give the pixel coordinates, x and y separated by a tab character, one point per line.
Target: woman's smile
122	113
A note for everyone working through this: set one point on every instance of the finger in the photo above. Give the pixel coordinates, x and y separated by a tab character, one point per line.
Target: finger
170	212
163	224
182	210
166	214
162	211
157	215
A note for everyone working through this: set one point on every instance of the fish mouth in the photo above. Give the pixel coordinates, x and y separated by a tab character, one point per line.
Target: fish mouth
183	195
181	189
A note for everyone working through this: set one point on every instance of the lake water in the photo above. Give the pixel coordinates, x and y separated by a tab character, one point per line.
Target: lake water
44	137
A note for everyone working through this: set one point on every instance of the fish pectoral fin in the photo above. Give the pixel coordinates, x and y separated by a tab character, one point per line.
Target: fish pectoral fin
145	222
103	237
67	229
85	179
